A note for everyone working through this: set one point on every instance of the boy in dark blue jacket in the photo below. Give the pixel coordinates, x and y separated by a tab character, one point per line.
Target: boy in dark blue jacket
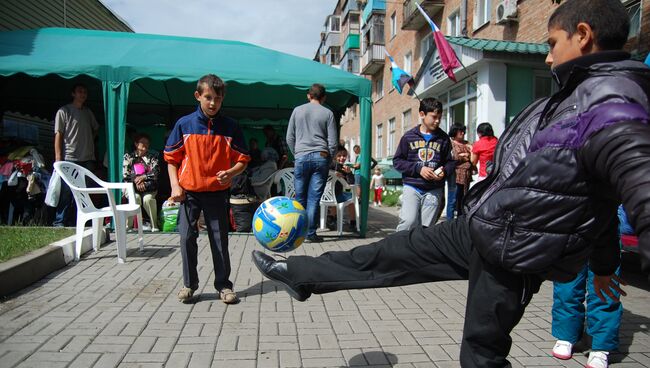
423	157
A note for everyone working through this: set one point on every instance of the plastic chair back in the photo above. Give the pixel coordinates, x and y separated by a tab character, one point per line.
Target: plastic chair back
284	180
76	177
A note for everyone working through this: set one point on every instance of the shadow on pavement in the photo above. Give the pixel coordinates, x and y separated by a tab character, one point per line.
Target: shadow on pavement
262	287
374	359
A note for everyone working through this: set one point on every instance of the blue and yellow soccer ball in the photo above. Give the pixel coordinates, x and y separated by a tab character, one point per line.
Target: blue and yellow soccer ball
280	224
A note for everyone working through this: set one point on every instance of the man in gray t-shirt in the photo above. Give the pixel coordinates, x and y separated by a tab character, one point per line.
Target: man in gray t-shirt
75	129
313	139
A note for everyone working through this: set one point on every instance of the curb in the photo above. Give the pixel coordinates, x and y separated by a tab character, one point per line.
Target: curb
20	272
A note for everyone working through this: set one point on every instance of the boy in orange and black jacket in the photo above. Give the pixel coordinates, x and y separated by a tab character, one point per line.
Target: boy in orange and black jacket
204	151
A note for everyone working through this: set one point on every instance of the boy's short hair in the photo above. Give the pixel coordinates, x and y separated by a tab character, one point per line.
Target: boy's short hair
211	81
317	91
485	129
430	104
608	19
455	128
340	149
77	85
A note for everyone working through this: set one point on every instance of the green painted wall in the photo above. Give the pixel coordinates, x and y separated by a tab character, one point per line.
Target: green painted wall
519	90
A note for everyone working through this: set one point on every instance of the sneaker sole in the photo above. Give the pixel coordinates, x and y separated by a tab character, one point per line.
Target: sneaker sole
287	288
563	357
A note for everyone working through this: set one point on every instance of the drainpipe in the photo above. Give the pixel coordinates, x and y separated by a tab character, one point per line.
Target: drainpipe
463	18
65	15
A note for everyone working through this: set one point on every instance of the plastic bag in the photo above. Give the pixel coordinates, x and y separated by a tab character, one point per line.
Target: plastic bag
53	190
13	179
169	216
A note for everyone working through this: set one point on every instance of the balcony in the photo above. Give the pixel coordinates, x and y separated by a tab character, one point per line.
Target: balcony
373	6
351	42
350	61
373	59
413	19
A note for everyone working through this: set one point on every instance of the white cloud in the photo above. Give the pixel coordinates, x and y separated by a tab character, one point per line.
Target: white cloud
291	26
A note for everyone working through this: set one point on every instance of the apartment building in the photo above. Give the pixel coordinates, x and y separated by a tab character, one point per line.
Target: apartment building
501	43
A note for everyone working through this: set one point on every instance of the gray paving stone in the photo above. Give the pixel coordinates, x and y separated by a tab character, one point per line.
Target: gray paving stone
178	360
145	358
201	359
97	313
85	360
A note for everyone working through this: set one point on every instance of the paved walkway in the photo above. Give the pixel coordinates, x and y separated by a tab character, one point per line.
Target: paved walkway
101	314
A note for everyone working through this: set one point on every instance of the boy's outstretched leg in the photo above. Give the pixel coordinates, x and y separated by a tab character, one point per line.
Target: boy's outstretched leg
437	253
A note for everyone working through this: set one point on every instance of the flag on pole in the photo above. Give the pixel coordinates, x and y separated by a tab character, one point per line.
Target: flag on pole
400	78
448	57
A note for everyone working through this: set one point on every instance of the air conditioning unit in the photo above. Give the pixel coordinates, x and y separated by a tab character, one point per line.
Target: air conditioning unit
507	11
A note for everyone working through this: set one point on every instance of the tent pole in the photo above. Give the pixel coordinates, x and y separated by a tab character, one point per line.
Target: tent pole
115	102
366	145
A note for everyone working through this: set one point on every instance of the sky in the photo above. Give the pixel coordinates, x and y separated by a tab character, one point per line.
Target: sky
291	26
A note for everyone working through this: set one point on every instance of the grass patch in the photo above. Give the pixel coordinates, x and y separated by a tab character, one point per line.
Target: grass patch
16	241
389	197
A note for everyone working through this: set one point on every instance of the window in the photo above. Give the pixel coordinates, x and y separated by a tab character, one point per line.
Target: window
393	25
334	24
425	45
379	87
407	62
334	55
459	106
482	12
380	141
453	24
634	11
406	121
543	85
390	147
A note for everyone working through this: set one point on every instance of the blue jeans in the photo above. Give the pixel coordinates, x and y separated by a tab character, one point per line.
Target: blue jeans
420	209
451	195
66	210
310	173
603	318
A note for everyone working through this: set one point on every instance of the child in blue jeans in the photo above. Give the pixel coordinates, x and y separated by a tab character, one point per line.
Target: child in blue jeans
603	316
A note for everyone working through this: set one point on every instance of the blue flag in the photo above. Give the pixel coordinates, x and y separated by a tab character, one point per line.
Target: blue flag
400	78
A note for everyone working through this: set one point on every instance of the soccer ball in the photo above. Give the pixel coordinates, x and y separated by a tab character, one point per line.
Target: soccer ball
280	224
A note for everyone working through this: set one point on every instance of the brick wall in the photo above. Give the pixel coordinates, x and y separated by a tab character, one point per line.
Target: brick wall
532	18
531	27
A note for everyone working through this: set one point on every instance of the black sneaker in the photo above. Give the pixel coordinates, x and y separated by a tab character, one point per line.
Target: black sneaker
313	239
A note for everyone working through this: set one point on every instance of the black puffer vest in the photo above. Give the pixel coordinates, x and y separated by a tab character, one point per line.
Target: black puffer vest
539	211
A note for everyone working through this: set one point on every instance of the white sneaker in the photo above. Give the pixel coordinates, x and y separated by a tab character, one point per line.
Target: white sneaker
563	350
155	230
597	359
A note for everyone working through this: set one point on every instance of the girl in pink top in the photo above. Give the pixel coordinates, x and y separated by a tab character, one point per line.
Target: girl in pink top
483	149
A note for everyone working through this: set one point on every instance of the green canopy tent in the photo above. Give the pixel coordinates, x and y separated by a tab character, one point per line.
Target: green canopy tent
144	74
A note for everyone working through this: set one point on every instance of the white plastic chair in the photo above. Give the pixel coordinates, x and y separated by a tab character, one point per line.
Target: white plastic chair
283	180
329	200
75	176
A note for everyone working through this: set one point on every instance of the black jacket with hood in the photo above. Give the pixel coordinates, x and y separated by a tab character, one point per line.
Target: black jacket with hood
562	167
